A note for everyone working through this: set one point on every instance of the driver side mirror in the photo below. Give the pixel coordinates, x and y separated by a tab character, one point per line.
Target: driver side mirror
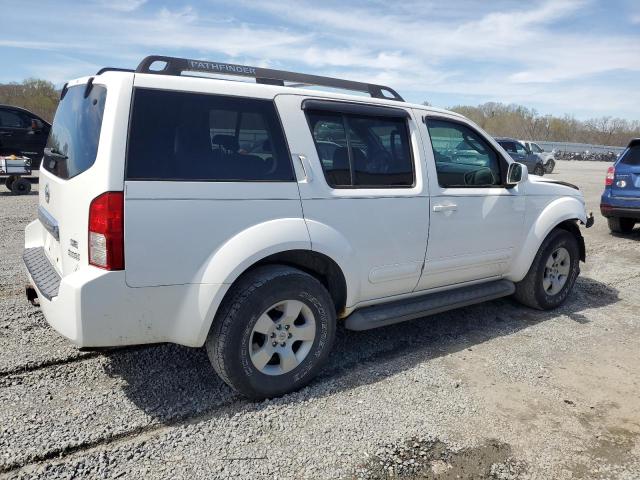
517	173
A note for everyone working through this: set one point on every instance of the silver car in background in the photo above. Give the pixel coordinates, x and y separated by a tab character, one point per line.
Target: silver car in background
547	157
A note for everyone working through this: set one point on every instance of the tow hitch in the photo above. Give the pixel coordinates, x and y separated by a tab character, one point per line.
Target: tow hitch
590	220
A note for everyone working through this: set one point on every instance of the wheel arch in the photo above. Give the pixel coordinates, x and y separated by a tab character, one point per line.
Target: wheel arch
563	213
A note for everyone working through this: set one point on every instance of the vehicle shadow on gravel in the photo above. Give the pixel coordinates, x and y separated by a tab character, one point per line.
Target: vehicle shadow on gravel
173	383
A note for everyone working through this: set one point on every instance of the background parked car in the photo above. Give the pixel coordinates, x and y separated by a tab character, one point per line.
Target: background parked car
22	133
620	202
548	158
522	154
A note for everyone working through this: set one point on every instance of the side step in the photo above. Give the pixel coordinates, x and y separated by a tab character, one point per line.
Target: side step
409	309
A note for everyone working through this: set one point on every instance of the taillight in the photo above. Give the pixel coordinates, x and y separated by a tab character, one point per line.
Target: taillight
106	231
611	173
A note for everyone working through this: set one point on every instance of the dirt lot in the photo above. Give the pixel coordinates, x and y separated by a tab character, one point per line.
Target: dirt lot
491	391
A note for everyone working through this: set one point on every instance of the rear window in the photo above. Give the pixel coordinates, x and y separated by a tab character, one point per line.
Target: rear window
201	137
631	156
73	141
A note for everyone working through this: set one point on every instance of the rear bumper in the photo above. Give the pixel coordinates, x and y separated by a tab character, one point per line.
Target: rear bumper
615	206
622	212
96	308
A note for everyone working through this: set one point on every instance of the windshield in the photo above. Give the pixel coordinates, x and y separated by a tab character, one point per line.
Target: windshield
75	133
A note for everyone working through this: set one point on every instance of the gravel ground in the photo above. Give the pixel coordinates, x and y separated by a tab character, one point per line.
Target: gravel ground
491	391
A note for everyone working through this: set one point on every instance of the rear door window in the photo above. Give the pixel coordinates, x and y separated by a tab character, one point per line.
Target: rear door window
201	137
73	141
362	151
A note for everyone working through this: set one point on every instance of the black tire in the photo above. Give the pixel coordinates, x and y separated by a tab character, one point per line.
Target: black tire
551	164
530	290
621	225
9	181
538	169
230	338
21	186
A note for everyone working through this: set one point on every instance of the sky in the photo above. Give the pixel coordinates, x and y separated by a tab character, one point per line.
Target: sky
576	57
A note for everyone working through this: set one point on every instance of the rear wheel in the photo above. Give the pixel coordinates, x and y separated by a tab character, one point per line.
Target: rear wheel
621	225
551	164
20	186
552	274
538	170
273	333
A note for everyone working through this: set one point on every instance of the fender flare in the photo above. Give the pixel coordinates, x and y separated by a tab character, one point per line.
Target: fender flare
330	242
555	213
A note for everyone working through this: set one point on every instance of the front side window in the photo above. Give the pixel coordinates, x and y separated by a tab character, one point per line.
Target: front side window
508	146
362	151
73	141
520	148
536	148
463	158
201	137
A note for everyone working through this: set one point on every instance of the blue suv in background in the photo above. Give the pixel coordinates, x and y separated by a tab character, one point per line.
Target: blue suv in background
620	202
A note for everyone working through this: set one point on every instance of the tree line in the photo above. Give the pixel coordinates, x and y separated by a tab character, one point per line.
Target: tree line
499	119
37	96
516	121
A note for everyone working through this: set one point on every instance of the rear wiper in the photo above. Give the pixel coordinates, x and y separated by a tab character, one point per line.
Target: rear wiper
54	155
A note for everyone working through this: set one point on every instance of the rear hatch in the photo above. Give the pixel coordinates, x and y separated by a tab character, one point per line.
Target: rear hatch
65	193
626	183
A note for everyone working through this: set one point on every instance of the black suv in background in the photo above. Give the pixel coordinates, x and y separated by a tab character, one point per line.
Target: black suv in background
22	133
522	154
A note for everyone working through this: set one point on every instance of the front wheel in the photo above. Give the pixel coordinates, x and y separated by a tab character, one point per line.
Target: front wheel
538	170
552	274
551	164
274	332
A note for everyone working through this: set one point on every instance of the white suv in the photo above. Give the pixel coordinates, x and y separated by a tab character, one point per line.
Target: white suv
251	217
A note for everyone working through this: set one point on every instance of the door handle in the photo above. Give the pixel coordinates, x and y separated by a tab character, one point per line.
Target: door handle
306	167
445	208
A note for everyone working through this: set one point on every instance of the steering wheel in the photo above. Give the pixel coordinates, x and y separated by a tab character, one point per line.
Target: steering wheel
481	176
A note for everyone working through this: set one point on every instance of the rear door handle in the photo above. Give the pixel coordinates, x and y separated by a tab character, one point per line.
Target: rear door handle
306	167
445	208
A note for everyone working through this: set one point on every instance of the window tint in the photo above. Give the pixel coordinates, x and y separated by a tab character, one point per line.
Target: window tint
631	156
362	151
13	119
463	158
190	136
75	132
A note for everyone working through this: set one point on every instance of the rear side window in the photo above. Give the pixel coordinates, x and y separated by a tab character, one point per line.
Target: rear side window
73	141
201	137
631	156
362	151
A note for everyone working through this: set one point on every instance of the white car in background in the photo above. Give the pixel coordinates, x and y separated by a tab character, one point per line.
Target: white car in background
158	223
547	157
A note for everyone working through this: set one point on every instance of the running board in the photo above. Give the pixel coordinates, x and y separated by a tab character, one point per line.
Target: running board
410	309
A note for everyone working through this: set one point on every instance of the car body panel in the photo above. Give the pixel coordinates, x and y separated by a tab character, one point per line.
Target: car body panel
187	242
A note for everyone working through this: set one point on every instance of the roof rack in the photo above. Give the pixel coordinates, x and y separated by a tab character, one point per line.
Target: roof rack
161	65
